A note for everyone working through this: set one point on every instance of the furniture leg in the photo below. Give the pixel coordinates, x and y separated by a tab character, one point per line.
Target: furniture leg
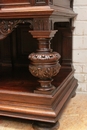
45	126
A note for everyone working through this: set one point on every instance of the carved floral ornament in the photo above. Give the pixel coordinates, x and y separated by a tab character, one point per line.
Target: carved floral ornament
7	26
50	63
46	72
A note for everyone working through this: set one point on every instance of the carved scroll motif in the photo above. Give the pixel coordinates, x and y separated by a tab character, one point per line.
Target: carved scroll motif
7	26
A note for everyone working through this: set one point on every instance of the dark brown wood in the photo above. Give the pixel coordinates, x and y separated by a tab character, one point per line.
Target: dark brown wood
33	36
47	57
45	126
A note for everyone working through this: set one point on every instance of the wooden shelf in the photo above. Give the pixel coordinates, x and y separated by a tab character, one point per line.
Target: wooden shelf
20	79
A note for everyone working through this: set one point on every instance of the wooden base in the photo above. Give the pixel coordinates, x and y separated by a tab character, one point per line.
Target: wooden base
17	97
45	126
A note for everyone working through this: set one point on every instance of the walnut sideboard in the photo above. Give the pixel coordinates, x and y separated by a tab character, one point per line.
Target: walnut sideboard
36	71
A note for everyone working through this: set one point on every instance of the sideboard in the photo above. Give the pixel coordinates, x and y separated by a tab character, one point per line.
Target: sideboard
36	71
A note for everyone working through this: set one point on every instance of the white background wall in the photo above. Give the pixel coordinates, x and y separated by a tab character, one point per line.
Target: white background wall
80	44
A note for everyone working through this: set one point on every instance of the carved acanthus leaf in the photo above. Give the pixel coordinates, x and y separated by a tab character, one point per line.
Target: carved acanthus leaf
44	72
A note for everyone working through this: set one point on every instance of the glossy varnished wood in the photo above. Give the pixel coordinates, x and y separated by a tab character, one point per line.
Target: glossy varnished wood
28	26
18	92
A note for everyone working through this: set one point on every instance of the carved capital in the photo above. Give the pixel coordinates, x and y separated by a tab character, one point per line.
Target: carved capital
42	24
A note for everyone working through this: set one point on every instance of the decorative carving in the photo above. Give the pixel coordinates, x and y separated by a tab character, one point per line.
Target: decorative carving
7	26
44	57
44	63
44	71
42	24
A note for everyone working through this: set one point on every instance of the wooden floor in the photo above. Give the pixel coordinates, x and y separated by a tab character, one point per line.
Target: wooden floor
74	117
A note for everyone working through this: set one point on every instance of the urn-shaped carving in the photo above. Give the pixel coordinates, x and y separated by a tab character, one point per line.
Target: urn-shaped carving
44	64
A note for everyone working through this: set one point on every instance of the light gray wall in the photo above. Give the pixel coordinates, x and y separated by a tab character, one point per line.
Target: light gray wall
80	44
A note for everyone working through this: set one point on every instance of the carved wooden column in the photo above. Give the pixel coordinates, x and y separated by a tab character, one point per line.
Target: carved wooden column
44	62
